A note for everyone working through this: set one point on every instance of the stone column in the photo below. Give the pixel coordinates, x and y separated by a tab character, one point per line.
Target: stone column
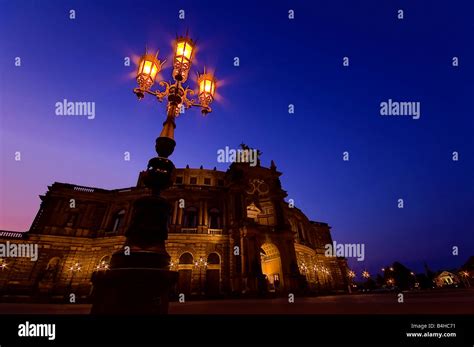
180	215
175	212
206	217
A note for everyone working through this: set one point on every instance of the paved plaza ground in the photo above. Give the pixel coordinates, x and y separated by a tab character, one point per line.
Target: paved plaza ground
455	301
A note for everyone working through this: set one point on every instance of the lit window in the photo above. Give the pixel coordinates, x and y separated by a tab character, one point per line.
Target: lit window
214	218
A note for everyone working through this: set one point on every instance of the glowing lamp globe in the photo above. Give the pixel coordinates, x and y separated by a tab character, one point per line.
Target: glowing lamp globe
183	55
207	88
148	68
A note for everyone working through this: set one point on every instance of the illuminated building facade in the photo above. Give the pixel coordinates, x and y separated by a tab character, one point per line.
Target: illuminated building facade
229	233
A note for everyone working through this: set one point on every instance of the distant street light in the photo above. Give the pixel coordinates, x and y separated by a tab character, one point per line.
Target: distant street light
102	266
76	267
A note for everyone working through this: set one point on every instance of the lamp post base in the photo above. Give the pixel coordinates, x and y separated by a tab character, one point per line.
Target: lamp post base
132	291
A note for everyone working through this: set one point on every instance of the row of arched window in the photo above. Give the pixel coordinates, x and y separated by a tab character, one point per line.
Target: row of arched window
187	258
190	218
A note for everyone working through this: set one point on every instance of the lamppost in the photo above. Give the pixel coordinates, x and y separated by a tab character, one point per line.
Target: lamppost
176	95
173	265
465	276
3	266
200	264
102	266
350	274
76	267
325	273
316	277
139	279
303	269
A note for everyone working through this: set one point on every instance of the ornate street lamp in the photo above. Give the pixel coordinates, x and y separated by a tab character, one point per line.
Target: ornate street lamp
139	280
184	52
148	68
200	264
3	264
177	95
102	266
173	265
365	274
76	267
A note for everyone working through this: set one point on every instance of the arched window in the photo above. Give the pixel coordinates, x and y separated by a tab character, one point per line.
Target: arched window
190	217
118	220
213	258
215	219
186	258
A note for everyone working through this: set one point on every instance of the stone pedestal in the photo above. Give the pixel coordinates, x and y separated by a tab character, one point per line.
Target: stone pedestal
132	291
139	280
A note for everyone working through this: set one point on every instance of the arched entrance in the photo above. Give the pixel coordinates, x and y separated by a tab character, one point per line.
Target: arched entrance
271	266
185	271
213	275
